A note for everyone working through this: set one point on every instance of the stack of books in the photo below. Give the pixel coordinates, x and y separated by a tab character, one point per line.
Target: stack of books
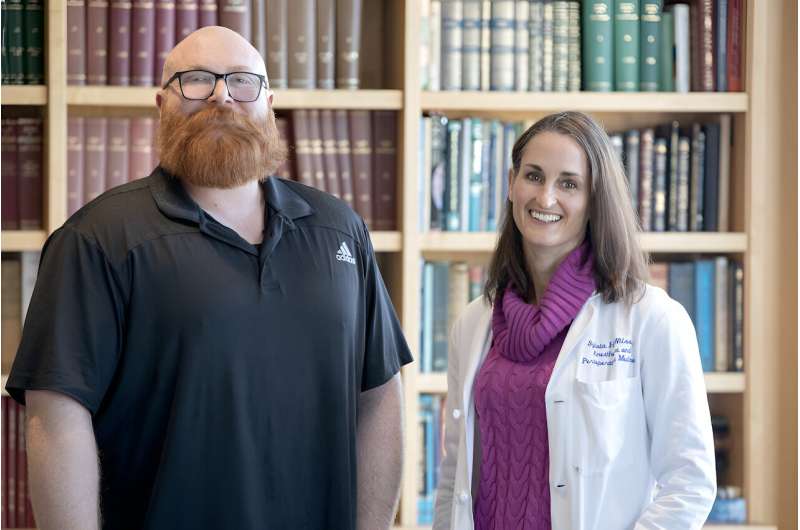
22	174
23	37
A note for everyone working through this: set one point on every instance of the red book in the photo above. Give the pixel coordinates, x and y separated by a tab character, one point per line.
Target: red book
701	24
10	175
361	143
117	152
76	42
4	455
735	45
143	22
74	164
29	159
344	153
315	136
208	13
187	18
94	158
165	35
235	14
141	142
302	147
384	129
328	130
119	45
97	42
11	433
22	468
285	171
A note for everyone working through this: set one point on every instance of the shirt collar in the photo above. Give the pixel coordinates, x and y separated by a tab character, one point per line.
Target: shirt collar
173	200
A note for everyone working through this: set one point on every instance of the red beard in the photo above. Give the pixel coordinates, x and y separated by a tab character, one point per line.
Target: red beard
219	148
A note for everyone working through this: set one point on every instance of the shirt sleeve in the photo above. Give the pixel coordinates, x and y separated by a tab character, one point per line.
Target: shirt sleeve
73	331
386	348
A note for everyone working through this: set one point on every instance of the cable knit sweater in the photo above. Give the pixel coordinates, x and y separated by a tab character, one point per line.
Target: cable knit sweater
514	492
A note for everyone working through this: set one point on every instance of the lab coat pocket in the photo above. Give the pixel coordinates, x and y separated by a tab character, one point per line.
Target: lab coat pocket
604	410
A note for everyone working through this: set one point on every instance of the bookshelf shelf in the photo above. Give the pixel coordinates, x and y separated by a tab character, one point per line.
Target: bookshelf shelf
145	97
22	240
24	95
445	245
387	241
629	103
716	383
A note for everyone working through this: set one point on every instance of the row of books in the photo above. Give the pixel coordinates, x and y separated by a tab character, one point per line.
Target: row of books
463	169
710	289
351	154
679	174
18	275
21	174
305	43
15	507
554	45
106	152
22	24
431	431
447	288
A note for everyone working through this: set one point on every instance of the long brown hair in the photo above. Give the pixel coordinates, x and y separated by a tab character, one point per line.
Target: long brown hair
620	265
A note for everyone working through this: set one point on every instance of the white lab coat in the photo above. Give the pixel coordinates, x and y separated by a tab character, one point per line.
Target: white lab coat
630	441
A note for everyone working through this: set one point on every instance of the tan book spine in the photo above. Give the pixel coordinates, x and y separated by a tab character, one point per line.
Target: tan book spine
302	40
348	43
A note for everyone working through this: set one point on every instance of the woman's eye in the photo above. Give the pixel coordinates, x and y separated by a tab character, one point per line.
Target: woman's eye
536	177
570	184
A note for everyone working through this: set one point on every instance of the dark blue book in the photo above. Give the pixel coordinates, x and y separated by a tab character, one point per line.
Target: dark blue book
441	276
711	162
681	285
705	317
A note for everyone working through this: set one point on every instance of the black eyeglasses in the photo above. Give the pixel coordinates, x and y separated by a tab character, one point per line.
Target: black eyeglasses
244	87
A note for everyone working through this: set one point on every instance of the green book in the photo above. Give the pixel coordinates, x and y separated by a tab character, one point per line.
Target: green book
649	49
626	45
14	42
598	46
666	45
33	31
4	35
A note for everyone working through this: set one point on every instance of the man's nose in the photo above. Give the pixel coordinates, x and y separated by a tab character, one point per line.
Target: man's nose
220	94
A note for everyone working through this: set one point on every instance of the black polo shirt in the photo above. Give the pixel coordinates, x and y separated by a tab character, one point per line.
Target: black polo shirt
222	378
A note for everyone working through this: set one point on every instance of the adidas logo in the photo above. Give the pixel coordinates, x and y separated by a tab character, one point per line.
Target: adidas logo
344	254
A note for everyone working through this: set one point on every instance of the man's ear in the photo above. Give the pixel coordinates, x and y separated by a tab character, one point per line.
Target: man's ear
159	101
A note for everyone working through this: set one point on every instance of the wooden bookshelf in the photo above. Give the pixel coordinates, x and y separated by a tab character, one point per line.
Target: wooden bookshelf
545	102
763	193
145	97
22	240
716	383
23	95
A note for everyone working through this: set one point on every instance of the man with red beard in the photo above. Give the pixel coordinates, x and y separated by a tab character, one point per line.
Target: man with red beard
210	347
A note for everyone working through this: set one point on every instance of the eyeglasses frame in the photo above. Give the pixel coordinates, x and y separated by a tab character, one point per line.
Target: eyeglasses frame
217	77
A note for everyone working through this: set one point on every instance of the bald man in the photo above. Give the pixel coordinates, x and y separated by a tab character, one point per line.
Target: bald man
211	347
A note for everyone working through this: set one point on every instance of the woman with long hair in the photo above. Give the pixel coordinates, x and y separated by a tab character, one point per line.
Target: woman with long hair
576	398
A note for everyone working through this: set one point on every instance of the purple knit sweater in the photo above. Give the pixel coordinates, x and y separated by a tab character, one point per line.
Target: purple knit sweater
514	492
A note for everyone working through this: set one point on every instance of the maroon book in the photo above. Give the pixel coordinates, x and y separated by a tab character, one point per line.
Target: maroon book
29	159
187	18
74	164
117	155
361	143
326	42
97	42
76	42
344	154
384	164
301	56
328	131
141	148
315	134
119	45
165	35
277	43
235	14
285	171
701	24
348	43
10	175
94	158
258	28
735	44
302	147
208	13
22	468
143	23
